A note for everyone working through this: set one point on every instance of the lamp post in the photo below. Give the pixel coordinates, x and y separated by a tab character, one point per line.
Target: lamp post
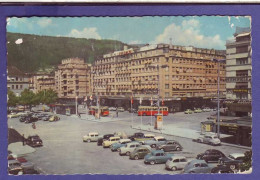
218	111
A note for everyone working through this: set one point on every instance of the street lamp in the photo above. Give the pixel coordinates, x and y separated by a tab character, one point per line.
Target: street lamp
97	98
218	112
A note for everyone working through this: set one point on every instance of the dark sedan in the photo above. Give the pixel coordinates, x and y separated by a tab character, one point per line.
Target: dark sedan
212	155
105	137
222	169
34	141
233	160
170	146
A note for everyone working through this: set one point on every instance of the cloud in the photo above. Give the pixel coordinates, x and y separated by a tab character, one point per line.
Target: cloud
8	21
85	33
44	22
188	33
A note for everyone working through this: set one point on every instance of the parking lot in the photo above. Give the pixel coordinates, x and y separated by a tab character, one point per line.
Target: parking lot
63	151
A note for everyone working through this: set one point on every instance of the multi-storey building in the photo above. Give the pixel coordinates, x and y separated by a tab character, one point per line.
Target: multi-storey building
179	72
239	65
39	82
72	78
17	81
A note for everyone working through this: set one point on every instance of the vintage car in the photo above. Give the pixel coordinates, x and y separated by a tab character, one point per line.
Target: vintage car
206	109
212	155
198	110
137	135
156	141
221	169
54	118
175	163
105	137
112	108
15	167
211	139
233	160
144	138
34	141
197	166
91	137
140	152
157	156
128	148
13	115
170	146
110	141
120	109
119	144
188	111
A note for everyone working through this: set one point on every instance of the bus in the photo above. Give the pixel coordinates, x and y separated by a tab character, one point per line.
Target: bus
152	110
103	110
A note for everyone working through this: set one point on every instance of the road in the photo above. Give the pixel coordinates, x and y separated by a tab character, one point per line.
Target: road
64	152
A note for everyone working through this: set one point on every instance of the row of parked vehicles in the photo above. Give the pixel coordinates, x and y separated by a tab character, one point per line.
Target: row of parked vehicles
157	149
198	110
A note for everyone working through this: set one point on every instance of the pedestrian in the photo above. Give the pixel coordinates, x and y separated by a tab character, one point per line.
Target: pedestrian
79	115
116	112
23	140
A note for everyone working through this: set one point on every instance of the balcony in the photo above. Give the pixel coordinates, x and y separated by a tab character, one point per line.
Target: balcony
238	79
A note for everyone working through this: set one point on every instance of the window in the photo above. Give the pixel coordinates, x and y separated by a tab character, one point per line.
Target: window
12	86
166	86
166	77
176	160
16	86
241	61
167	94
242	49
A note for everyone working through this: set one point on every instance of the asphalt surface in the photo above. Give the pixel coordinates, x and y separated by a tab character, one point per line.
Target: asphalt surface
64	152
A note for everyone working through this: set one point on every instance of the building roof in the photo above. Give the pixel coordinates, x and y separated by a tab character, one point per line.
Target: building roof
12	70
242	30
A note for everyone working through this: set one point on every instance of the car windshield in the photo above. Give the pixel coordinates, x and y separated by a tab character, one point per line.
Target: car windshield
35	137
162	139
215	137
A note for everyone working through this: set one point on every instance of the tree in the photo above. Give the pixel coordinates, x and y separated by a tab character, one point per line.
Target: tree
247	162
47	96
27	98
12	99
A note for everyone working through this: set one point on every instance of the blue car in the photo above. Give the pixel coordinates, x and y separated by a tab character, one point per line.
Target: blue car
118	145
197	166
157	156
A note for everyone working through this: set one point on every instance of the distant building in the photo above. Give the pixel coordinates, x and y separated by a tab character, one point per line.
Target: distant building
239	65
72	78
39	82
17	81
190	73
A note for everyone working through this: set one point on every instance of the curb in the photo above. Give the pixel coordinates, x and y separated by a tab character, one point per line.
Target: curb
226	144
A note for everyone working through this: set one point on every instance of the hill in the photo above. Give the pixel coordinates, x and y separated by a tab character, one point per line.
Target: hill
43	52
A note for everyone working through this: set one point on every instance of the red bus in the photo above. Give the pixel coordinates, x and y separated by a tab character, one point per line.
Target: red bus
151	110
103	110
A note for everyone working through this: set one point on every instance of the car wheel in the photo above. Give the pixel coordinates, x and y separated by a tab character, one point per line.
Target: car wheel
174	168
118	150
127	153
152	162
136	158
178	148
232	166
88	140
153	146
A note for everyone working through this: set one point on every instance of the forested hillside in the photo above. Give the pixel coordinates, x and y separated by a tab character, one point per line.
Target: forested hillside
41	52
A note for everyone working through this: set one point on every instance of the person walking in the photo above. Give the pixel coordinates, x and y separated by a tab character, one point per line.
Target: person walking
116	112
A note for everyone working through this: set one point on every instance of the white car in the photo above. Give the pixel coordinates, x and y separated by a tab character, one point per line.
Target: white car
211	139
130	147
176	162
110	141
120	109
91	137
112	109
206	109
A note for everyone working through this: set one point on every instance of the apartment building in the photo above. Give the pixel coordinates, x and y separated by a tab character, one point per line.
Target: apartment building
179	72
17	81
72	78
43	81
239	65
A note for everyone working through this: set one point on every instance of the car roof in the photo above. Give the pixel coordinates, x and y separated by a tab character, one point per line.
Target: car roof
157	151
235	155
197	161
114	137
133	143
124	140
159	137
178	157
93	133
149	134
13	161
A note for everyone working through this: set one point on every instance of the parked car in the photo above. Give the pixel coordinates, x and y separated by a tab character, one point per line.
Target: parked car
34	141
120	109
14	167
91	137
157	156
13	115
110	141
46	118
175	163
197	166
30	171
105	137
170	146
206	109
112	108
133	110
23	118
188	111
54	118
136	135
156	141
30	119
221	169
144	138
128	148
233	160
119	144
211	139
210	155
140	152
198	110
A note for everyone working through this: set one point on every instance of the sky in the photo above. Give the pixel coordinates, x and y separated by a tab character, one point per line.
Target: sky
198	31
